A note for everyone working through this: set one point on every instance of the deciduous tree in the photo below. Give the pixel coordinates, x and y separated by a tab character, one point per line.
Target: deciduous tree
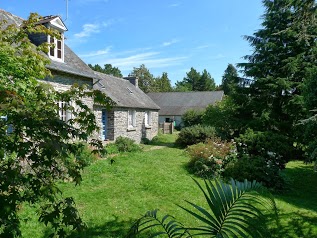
146	79
39	149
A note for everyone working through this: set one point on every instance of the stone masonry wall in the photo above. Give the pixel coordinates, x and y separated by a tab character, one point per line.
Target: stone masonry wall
117	118
63	82
139	131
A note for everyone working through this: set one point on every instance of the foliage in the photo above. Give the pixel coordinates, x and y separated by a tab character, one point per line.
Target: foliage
163	83
256	168
209	159
194	134
234	210
309	124
221	116
84	155
170	226
125	144
35	152
195	81
146	79
261	156
272	147
107	69
111	148
283	58
230	79
192	117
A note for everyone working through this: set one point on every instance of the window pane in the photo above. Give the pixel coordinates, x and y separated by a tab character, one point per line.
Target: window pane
59	54
59	45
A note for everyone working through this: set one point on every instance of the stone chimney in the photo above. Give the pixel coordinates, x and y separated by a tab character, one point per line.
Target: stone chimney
134	80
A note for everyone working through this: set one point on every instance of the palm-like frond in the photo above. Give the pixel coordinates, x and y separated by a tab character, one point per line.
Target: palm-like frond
234	210
169	227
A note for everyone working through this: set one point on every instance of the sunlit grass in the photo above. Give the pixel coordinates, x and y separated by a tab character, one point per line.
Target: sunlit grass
111	197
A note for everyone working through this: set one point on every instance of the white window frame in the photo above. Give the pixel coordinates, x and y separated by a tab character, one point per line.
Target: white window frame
131	119
147	118
63	114
55	49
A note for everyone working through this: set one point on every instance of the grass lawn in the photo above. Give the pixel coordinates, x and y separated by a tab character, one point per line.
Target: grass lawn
111	197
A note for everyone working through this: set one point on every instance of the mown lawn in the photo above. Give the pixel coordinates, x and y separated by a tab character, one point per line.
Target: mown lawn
111	197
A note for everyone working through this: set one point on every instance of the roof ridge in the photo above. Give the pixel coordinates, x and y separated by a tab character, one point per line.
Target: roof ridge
2	10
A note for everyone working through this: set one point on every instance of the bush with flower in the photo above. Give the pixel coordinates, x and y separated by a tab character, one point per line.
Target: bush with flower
209	159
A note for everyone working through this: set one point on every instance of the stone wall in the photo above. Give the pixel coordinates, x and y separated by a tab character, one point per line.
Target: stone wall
63	82
120	116
117	118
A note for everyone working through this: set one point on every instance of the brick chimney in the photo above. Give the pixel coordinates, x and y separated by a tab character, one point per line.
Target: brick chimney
134	80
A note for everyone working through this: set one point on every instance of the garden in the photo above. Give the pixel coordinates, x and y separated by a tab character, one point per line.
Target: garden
113	196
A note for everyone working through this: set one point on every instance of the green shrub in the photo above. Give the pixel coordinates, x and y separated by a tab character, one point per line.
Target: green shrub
210	159
273	147
84	155
125	144
255	168
194	135
261	157
111	148
192	117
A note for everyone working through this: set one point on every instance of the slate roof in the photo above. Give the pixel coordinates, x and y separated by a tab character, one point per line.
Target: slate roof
72	63
121	91
124	93
177	103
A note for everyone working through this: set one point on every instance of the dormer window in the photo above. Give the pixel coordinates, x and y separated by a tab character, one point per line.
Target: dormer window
56	52
56	23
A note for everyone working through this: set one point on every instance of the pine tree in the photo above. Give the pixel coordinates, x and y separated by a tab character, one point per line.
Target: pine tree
284	52
163	84
229	79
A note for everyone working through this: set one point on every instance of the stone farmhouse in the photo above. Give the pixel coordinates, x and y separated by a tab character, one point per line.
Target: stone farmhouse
134	114
174	104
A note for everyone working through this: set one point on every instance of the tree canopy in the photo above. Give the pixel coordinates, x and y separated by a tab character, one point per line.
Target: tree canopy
268	109
37	147
229	79
107	69
163	83
146	79
196	81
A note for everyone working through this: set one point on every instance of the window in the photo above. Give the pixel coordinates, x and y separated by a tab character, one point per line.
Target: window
131	119
147	118
63	113
57	51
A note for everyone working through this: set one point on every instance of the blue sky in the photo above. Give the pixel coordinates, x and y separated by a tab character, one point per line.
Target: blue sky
167	35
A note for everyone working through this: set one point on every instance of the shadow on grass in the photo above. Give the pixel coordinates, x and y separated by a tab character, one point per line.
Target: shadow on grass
166	144
295	225
301	190
110	229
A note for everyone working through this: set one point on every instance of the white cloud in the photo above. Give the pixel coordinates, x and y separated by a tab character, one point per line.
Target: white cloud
202	47
96	53
150	59
175	5
126	60
171	42
88	29
91	28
